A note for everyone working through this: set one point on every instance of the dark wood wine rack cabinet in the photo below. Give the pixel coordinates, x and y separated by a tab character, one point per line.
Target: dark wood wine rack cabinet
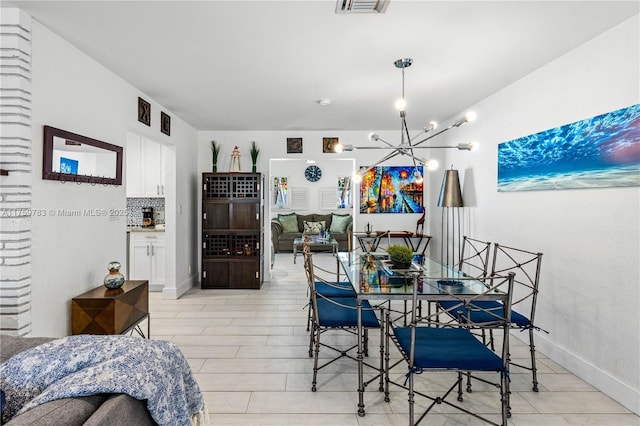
232	230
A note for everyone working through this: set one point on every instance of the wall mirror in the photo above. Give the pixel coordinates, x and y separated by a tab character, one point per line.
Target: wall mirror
71	157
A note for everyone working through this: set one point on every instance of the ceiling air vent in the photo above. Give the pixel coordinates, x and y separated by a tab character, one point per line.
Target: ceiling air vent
361	6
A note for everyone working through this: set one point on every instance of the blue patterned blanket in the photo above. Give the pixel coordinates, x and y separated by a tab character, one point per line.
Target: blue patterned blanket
151	370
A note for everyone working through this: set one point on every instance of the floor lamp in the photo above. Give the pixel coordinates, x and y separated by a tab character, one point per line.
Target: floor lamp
451	202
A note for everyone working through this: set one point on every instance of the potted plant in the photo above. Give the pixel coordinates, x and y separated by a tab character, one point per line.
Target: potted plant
400	255
254	155
215	150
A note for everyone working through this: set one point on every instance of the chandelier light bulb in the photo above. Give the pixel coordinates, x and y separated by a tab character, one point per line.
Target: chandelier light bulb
373	137
470	116
431	126
401	105
338	148
431	165
357	177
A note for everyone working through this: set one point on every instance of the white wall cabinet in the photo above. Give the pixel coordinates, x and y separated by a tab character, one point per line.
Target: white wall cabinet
145	167
147	258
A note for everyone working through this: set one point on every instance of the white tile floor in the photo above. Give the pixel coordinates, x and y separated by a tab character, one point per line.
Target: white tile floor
249	352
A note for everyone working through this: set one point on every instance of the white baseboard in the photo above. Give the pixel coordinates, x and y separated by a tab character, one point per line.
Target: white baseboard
156	287
592	374
180	289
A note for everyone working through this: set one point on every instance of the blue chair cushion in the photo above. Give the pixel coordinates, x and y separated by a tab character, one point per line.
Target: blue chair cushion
327	290
448	348
484	316
330	314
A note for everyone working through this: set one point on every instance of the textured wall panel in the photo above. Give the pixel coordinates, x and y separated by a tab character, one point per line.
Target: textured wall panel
16	160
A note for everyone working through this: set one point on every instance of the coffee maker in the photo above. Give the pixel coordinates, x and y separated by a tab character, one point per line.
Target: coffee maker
147	217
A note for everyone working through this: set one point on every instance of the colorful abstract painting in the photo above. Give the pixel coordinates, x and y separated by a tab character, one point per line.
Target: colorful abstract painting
602	151
391	189
344	192
280	192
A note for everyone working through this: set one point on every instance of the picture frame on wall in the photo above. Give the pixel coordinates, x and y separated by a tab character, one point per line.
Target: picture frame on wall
144	112
344	192
280	192
592	153
294	145
329	145
392	189
165	123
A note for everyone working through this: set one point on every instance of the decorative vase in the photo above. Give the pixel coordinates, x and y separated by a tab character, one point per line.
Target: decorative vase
253	168
114	279
214	167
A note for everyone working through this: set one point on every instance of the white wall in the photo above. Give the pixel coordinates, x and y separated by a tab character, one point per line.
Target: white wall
589	298
589	291
69	254
273	146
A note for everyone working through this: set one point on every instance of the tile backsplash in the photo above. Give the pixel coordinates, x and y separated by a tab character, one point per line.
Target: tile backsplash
134	210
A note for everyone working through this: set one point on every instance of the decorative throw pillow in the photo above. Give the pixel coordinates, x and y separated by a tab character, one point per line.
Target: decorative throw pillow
313	227
289	222
339	223
307	217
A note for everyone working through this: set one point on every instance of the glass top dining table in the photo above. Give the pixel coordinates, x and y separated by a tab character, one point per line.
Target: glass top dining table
374	278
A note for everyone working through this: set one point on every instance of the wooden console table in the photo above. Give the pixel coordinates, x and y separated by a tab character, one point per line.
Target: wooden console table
105	311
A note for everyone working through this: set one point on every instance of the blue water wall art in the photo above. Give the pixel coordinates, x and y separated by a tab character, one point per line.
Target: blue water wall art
68	166
602	151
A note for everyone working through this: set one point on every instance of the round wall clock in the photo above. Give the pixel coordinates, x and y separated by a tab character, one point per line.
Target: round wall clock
313	173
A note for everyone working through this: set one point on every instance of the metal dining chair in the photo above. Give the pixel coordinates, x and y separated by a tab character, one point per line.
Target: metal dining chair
428	345
526	267
325	285
474	262
338	314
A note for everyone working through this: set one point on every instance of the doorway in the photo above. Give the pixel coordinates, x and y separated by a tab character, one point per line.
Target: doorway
150	181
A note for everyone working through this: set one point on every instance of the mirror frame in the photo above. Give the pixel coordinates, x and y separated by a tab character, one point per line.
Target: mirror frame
47	158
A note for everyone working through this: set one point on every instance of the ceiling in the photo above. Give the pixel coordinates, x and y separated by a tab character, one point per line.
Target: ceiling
264	65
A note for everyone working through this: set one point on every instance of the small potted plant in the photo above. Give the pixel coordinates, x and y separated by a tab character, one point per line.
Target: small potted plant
254	156
400	255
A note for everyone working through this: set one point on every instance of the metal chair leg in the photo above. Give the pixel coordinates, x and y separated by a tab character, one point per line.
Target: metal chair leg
314	382
534	370
381	386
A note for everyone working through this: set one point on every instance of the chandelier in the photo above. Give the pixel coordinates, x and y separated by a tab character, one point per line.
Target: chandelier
407	143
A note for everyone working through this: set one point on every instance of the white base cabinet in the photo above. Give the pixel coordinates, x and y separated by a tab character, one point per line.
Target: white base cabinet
147	258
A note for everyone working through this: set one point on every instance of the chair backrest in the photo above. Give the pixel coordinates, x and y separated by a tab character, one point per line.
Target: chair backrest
526	266
492	318
474	260
311	278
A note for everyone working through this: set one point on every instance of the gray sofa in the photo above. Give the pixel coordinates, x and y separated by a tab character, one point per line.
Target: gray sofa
282	236
95	410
